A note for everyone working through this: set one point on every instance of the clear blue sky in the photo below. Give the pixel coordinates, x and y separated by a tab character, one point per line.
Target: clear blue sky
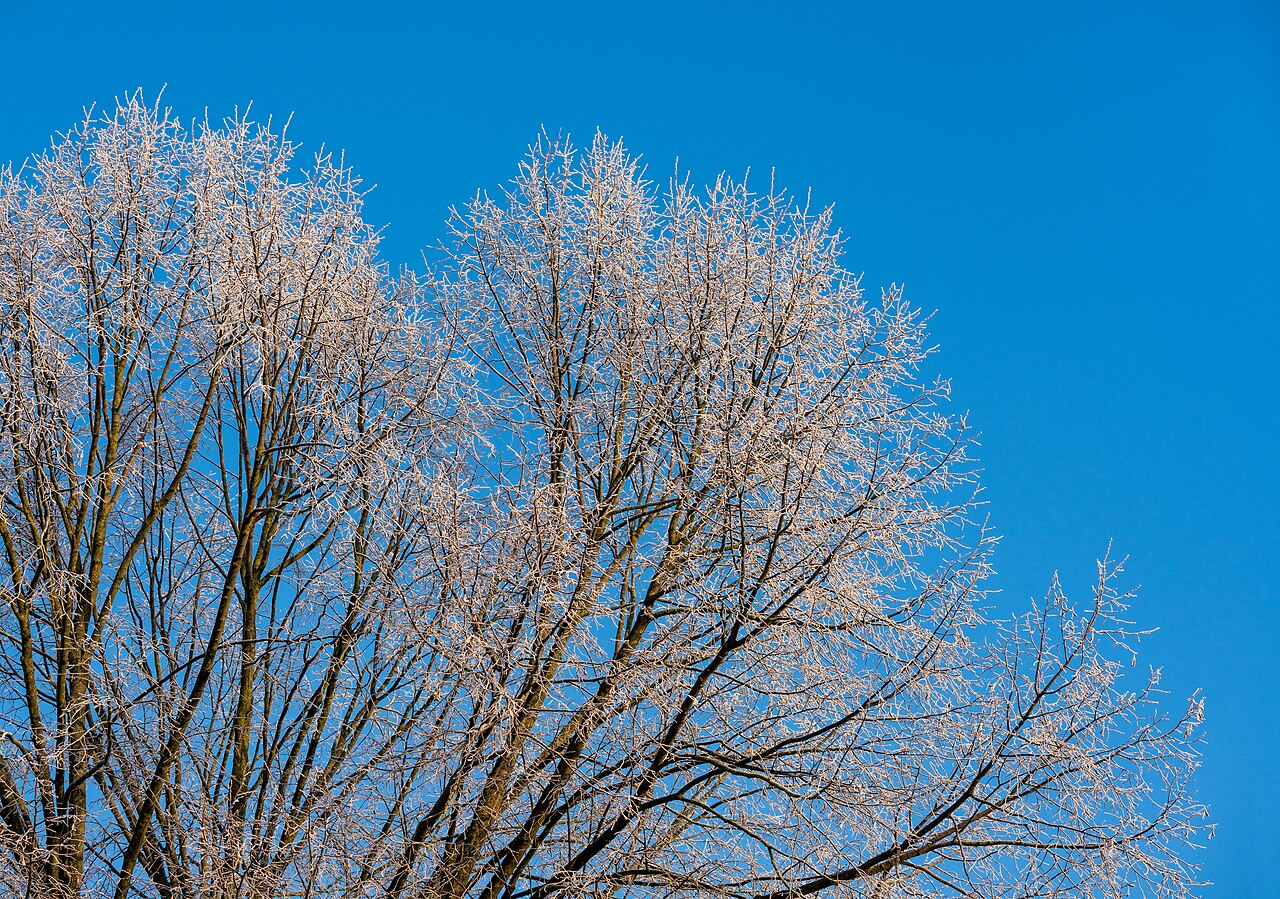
1090	199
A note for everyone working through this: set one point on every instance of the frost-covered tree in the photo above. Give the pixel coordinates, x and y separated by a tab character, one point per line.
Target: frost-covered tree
625	554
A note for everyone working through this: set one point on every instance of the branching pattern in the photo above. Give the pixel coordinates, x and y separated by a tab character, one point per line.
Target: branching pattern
625	555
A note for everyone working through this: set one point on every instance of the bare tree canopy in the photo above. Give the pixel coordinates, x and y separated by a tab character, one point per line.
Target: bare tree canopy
627	554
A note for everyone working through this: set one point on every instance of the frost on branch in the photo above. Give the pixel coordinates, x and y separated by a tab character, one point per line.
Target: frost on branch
627	554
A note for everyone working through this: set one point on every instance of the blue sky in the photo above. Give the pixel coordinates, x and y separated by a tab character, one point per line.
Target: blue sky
1089	198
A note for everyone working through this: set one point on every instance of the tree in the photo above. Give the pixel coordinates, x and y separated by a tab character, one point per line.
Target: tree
625	554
